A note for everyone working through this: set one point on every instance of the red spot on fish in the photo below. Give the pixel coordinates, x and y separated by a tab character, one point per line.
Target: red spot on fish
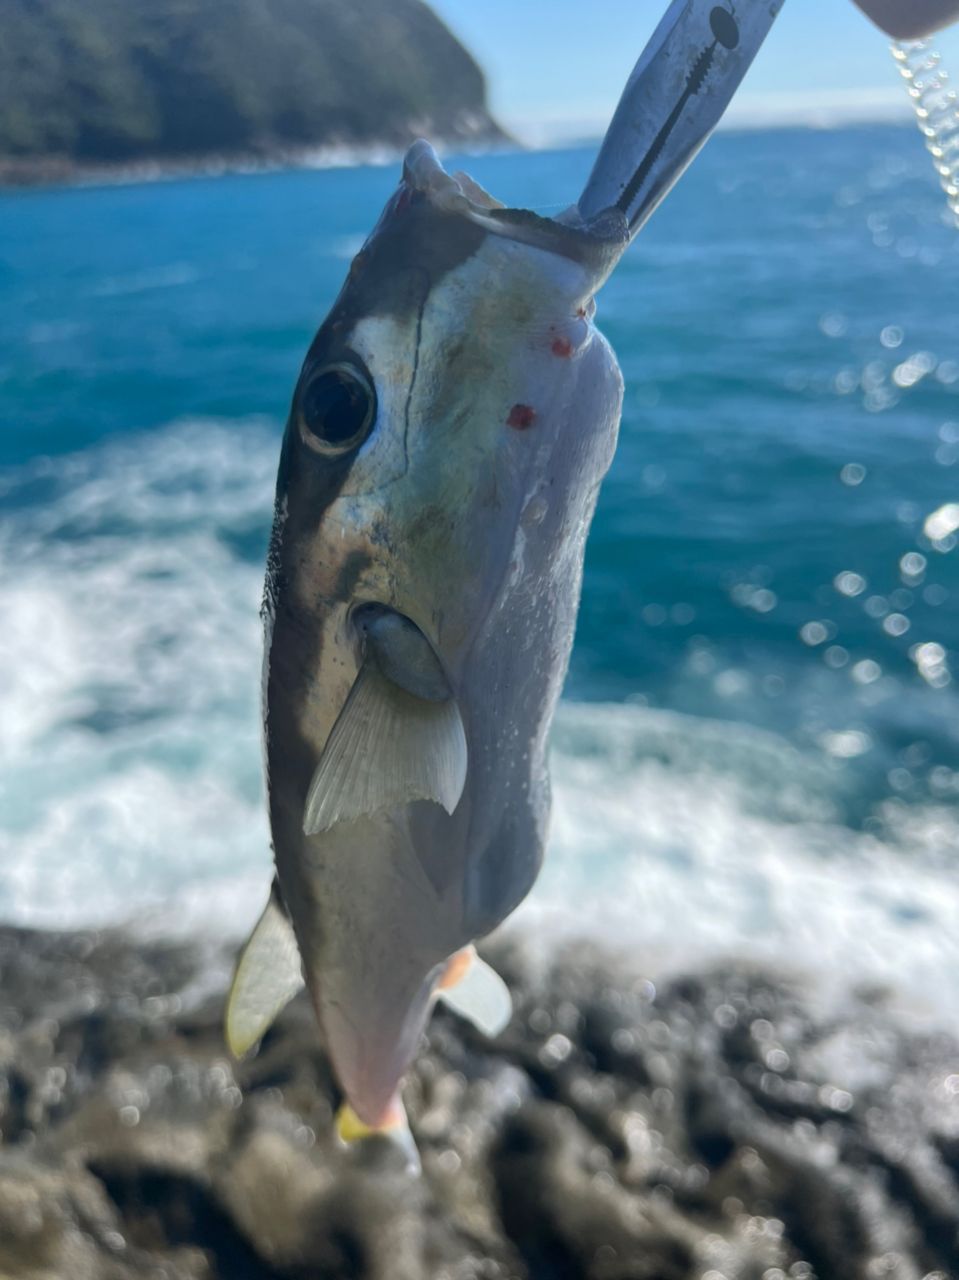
562	347
581	312
520	417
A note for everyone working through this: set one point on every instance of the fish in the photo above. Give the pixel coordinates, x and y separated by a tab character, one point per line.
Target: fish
448	435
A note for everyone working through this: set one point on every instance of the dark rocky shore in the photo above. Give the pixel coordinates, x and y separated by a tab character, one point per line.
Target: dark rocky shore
716	1129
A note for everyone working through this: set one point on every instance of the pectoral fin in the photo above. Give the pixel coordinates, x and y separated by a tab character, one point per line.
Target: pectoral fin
387	747
471	988
268	976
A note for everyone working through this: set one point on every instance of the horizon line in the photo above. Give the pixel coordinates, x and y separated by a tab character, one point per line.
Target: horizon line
804	109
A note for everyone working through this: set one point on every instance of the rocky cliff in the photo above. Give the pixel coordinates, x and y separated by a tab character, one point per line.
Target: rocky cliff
183	82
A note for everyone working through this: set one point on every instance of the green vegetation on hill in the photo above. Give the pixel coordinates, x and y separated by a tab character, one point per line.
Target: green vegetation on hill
92	82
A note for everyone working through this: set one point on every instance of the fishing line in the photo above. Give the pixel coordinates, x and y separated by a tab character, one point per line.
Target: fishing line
936	104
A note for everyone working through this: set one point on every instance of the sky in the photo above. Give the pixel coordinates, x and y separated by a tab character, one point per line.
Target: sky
555	67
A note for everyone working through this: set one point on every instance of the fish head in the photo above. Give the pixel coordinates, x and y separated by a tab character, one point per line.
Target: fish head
435	397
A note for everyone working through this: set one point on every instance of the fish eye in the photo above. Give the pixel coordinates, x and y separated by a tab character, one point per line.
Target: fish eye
336	409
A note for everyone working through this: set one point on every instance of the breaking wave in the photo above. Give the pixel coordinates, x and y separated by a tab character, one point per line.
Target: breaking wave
130	577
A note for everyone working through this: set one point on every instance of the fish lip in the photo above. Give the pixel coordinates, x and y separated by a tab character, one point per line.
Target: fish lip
596	244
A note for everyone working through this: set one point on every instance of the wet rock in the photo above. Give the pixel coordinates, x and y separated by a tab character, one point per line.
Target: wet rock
62	1223
722	1126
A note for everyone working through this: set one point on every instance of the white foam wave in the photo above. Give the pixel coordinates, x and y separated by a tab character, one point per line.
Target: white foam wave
129	724
129	746
725	843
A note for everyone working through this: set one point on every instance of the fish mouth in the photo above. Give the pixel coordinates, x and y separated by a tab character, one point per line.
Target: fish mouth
596	244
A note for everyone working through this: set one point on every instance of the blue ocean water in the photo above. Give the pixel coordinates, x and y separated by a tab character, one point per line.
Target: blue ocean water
759	750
